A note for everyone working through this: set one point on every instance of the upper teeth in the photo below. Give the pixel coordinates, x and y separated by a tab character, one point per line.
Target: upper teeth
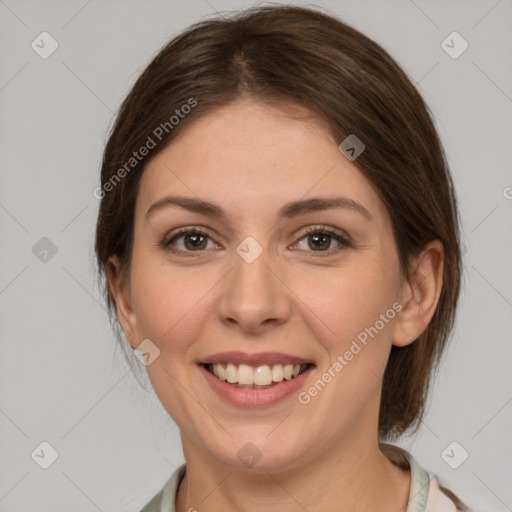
261	375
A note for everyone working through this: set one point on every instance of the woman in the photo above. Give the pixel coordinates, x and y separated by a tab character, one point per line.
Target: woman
279	239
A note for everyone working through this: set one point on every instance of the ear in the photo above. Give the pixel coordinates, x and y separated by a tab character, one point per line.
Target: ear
119	287
420	294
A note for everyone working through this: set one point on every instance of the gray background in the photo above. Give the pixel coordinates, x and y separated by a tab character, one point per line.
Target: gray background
62	378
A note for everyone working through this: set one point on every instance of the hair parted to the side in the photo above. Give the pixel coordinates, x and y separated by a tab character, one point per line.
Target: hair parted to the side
287	56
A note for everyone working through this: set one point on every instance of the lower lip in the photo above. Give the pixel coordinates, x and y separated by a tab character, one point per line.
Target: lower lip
247	397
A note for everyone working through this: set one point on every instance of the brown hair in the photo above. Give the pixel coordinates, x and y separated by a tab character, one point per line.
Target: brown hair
292	55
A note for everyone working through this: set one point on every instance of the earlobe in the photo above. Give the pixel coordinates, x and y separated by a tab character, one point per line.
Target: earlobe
420	294
120	289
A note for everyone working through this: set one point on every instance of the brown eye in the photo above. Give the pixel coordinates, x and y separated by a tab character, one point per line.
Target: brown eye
321	241
189	240
195	241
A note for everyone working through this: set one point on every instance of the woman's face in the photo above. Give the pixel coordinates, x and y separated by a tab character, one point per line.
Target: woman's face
270	274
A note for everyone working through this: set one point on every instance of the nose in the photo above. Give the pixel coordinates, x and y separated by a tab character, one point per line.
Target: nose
254	299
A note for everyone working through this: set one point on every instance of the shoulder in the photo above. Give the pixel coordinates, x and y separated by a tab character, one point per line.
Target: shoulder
426	493
165	499
154	504
441	499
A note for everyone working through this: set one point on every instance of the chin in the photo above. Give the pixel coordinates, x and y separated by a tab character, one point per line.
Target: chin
257	451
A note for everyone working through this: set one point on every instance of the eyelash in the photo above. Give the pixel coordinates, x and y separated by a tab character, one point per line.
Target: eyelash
343	240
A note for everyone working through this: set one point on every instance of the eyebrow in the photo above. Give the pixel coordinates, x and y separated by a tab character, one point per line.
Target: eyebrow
288	211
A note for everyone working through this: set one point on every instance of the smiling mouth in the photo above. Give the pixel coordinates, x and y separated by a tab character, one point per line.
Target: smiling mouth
255	377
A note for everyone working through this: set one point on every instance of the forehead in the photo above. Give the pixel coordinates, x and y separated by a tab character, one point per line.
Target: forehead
247	155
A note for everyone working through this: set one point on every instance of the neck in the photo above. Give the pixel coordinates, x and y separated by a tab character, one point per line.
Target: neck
356	476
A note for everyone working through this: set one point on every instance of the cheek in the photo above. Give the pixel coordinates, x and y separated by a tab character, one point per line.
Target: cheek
357	306
355	303
171	307
165	297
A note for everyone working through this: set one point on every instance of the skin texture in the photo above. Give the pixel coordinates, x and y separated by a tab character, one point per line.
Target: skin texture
251	159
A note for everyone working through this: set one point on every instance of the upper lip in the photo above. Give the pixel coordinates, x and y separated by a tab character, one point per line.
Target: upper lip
254	359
